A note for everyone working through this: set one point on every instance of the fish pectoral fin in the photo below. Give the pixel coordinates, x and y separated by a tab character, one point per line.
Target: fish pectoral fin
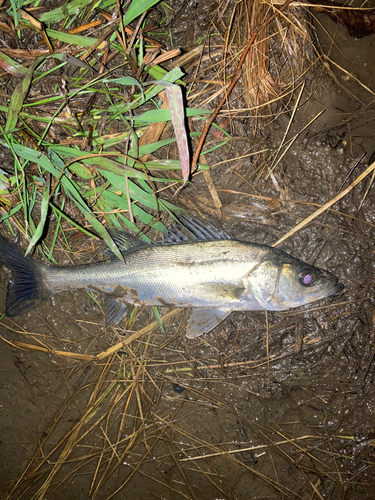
204	320
115	310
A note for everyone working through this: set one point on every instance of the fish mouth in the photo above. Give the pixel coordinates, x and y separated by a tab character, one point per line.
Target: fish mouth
334	286
337	287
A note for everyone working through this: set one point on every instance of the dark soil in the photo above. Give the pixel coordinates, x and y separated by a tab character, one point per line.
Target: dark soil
300	425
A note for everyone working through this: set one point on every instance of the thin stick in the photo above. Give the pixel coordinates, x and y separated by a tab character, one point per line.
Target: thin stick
276	160
349	74
251	448
135	336
326	206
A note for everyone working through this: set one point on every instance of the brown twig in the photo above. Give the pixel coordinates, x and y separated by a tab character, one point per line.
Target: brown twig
325	207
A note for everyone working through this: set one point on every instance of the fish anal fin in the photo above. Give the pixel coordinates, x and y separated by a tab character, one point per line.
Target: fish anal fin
115	310
204	320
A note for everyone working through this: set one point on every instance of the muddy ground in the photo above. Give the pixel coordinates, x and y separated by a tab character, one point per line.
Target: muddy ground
298	425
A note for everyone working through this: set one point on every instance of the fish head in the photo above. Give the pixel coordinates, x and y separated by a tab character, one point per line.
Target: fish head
281	282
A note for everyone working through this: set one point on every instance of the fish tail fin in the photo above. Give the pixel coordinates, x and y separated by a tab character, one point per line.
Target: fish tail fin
26	287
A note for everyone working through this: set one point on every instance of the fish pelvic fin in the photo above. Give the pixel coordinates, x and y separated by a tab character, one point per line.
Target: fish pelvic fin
26	287
204	320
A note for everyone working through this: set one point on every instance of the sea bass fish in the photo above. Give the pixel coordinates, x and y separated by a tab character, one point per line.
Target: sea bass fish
195	265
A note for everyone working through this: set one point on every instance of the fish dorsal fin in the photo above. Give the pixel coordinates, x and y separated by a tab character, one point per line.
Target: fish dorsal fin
190	228
125	242
204	320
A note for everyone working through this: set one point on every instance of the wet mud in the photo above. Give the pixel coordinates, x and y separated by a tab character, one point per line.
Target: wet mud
266	406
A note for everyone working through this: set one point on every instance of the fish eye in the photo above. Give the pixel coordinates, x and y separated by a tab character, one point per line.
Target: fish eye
307	278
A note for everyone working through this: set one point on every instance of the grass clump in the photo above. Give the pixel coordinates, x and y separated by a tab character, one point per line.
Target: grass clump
85	145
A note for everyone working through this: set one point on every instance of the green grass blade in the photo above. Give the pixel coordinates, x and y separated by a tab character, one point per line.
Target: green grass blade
55	167
81	41
12	212
137	8
164	115
11	66
126	80
18	96
67	9
158	318
43	217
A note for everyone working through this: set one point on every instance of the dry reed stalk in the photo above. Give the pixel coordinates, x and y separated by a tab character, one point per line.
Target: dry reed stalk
282	51
325	207
235	78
